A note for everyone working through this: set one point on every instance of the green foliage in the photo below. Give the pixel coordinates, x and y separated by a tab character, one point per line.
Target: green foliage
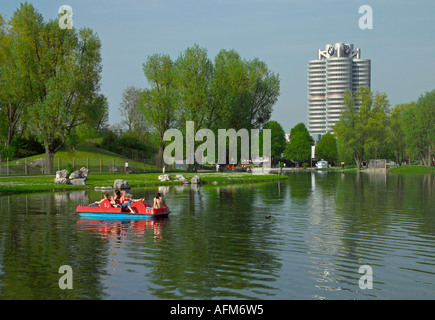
327	149
121	143
419	127
70	168
362	126
278	142
52	80
299	147
228	92
158	104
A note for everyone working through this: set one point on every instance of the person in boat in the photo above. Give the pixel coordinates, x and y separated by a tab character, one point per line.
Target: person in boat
116	199
126	201
98	203
159	202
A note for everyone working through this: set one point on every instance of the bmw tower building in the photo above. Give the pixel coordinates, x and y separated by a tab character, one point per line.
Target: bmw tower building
337	68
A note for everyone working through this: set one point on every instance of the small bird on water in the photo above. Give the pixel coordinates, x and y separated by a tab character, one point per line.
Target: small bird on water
268	217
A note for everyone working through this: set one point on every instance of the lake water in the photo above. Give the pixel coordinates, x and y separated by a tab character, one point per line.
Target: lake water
219	243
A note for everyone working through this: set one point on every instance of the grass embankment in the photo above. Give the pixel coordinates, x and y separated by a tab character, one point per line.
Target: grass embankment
413	169
46	183
83	156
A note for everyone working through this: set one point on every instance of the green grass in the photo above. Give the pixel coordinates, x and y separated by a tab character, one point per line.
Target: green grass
45	183
84	156
412	169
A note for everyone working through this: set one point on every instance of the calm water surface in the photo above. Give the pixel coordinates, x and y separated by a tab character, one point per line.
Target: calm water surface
218	244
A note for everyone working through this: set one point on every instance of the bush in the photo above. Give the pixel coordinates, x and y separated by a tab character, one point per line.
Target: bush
70	168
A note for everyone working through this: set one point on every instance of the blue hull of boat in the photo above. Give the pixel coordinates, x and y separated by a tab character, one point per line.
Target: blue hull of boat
116	216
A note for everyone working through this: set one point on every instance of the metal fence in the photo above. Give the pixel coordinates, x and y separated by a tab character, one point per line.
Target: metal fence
36	166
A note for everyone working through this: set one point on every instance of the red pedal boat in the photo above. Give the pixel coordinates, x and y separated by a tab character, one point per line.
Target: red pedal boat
142	209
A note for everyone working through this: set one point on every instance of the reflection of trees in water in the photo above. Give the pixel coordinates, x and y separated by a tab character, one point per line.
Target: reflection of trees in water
216	247
300	187
38	235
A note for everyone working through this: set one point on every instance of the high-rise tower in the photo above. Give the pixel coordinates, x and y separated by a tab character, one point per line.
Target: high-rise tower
337	68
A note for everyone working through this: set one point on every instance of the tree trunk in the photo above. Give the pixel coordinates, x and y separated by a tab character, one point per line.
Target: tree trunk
358	164
160	156
429	158
48	163
49	157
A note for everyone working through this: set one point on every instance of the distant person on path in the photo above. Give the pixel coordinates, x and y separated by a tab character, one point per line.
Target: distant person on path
126	166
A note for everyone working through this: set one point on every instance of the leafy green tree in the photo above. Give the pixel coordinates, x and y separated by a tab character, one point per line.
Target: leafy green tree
299	147
278	142
419	127
396	131
327	148
132	117
12	90
158	103
378	123
360	123
61	68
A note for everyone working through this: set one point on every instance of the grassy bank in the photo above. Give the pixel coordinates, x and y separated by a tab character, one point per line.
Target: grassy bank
92	157
45	183
412	169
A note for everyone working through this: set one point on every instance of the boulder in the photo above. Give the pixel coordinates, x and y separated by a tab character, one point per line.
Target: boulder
62	174
62	181
181	178
184	180
165	177
121	184
78	182
85	171
79	174
196	180
102	188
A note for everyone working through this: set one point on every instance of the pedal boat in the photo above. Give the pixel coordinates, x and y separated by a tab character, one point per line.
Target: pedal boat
142	210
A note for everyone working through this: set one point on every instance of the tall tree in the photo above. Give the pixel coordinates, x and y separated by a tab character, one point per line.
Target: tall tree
62	70
327	148
12	88
299	147
132	117
194	71
360	123
158	103
396	131
419	127
278	143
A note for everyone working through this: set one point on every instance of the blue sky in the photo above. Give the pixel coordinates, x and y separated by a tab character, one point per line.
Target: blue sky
286	34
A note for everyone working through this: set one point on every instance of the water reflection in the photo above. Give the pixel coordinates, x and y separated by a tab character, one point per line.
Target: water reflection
218	244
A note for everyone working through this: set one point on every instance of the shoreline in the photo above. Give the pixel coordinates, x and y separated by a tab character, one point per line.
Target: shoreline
52	187
36	184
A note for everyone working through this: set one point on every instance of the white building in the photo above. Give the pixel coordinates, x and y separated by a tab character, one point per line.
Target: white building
337	68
